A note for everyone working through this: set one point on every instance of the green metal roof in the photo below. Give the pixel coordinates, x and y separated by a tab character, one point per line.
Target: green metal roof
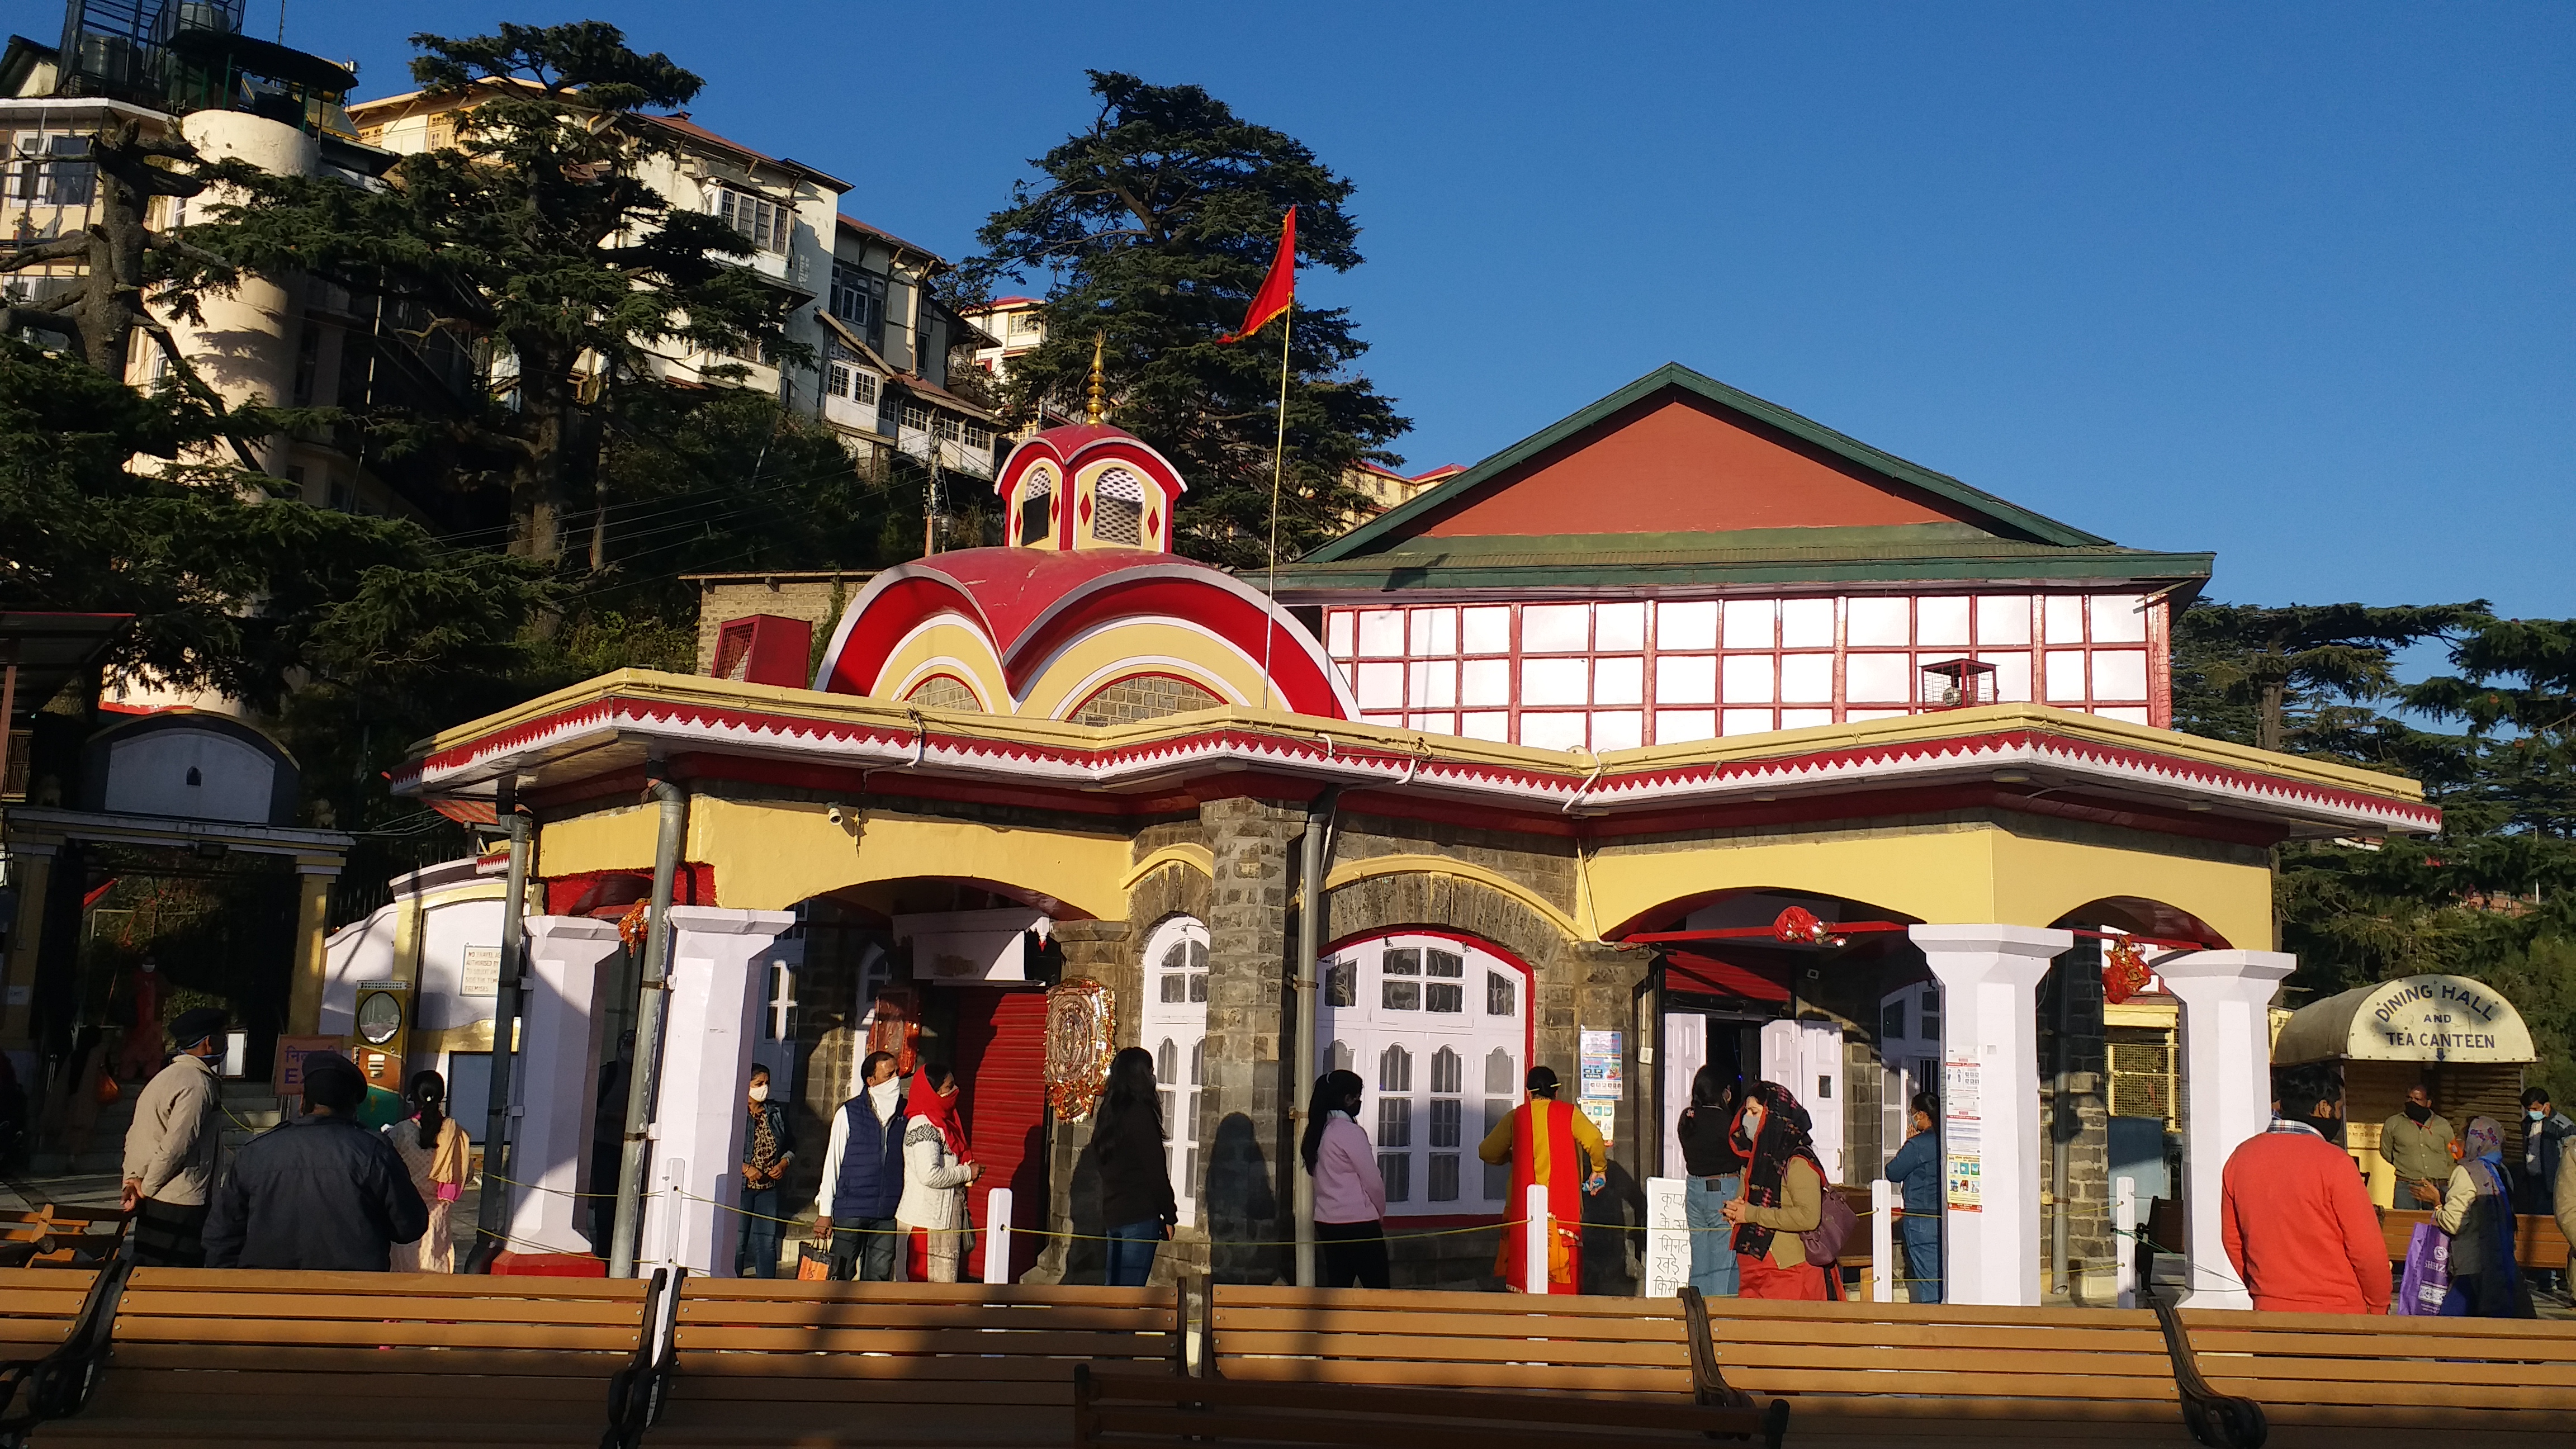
1393	530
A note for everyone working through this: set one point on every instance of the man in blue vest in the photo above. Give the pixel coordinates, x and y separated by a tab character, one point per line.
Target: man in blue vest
863	1176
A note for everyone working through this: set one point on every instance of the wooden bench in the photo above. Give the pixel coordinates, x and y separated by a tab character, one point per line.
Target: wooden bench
2537	1241
889	1364
1161	1409
1892	1373
2322	1377
54	1325
54	1236
1625	1347
231	1355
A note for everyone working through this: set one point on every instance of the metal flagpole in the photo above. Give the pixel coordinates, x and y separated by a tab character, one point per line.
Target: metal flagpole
1278	463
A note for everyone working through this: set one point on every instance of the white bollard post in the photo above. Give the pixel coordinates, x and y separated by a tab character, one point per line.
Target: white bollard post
1534	1257
1882	1241
997	1236
2124	1238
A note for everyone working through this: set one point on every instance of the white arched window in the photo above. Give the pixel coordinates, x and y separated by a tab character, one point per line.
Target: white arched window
1118	507
1438	1028
1174	1029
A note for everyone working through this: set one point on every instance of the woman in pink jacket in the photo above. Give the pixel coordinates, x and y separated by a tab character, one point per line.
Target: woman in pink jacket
1350	1198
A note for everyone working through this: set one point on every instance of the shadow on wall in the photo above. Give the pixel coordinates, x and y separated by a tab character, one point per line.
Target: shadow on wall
1242	1206
1085	1261
1614	1234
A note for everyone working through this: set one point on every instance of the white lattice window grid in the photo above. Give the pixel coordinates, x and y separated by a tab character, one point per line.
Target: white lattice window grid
1173	1027
1438	1029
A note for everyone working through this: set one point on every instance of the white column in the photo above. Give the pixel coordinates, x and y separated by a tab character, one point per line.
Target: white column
1989	979
1534	1245
551	1082
2227	1093
2124	1238
717	994
1882	1241
997	1236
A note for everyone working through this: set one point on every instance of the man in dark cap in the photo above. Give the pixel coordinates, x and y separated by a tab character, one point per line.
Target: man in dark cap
171	1148
321	1192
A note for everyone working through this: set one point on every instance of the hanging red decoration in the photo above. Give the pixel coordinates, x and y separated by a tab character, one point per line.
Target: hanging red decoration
2124	972
1799	927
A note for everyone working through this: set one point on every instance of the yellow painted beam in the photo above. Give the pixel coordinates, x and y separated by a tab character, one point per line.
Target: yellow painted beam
770	854
1381	865
1197	857
620	839
312	921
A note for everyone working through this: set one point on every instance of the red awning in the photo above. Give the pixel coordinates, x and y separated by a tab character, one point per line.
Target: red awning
1691	971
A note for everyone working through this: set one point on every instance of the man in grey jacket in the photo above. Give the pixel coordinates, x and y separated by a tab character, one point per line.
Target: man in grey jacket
171	1148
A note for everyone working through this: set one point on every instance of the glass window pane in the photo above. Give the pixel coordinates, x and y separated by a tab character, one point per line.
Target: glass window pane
1688	625
1198	1069
1433	631
1495	725
2119	674
1498	1176
1487	630
1619	681
1433	685
1749	623
1381	633
1941	619
1878	678
1342	983
1400	995
1552	681
1622	729
1436	962
1447	1075
1891	1020
2124	713
1619	626
2066	676
2012	675
2119	619
1806	679
1878	620
1798	719
1807	623
1198	986
1396	1168
1395	1121
1485	681
1745	721
1444	1177
1403	961
1442	997
2003	619
1436	724
1747	679
1500	1080
1685	679
2062	616
1167	1065
1500	998
1553	731
1337	633
1682	726
1381	686
1338	1057
1555	628
1176	986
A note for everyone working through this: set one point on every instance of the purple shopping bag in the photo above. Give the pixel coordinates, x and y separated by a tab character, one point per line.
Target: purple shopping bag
2428	1273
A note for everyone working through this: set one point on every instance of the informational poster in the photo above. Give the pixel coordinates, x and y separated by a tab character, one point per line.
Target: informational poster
1604	1115
1963	1136
1668	1247
1600	1065
482	971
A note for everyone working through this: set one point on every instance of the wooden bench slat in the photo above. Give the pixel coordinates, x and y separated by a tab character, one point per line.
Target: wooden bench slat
1450	1350
1230	1318
963	1342
829	1314
355	1308
267	1283
288	1334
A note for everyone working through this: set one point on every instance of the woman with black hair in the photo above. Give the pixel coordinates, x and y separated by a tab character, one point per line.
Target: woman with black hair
1136	1200
1716	1171
433	1149
1784	1196
1350	1196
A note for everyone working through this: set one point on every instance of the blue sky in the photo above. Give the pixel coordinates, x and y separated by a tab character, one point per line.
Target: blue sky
2288	282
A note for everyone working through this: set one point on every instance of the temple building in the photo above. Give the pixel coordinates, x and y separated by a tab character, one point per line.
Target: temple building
1685	731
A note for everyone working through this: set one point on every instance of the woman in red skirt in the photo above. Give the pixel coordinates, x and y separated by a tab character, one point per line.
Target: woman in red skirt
1784	1195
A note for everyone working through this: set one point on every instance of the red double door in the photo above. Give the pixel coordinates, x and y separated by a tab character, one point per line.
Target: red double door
1001	1065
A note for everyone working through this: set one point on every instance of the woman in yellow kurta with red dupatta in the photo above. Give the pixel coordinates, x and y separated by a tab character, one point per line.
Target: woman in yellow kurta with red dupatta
1540	1139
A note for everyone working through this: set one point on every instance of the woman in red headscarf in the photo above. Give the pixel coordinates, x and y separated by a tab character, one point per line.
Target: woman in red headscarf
1784	1196
936	1171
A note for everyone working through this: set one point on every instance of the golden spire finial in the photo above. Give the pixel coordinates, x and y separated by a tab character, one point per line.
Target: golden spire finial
1098	408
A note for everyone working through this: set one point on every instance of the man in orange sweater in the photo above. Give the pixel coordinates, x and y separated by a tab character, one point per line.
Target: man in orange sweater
2296	1218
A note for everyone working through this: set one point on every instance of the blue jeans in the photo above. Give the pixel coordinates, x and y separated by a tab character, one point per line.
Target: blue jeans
1712	1240
755	1253
1131	1253
863	1250
1922	1234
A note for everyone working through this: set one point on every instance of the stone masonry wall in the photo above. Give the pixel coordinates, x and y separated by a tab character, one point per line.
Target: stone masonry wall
1243	1115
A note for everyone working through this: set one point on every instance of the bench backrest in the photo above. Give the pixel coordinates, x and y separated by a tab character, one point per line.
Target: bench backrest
2094	1354
37	1306
206	1318
2373	1365
942	1329
1455	1340
2537	1241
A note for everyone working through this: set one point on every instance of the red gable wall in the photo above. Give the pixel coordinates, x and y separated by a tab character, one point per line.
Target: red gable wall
1675	464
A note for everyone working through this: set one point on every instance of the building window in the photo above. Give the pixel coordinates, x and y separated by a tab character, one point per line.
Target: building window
857	297
1174	1028
759	220
1037	507
1024	324
916	417
978	438
51	170
1118	507
1397	1003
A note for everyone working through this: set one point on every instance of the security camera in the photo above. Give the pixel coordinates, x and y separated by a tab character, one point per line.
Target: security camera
837	815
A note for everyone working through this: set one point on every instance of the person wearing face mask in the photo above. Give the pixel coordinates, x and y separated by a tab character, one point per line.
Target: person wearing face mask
1547	1143
1784	1196
2477	1211
766	1150
863	1175
2546	1132
2294	1216
2417	1144
937	1170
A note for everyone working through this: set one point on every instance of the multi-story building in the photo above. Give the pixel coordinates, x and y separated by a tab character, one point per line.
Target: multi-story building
1014	327
860	299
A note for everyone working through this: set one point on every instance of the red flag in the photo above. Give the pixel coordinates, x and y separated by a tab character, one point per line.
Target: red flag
1279	289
